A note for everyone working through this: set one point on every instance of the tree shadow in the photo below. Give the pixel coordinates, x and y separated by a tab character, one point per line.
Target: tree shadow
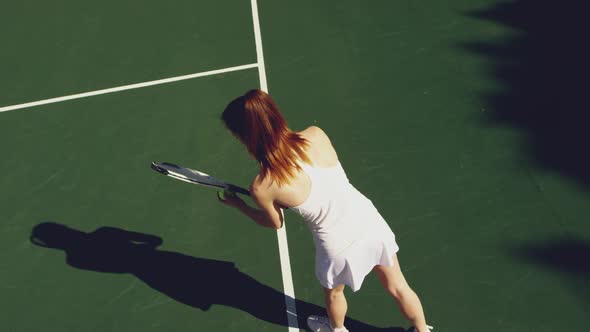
543	70
569	256
194	281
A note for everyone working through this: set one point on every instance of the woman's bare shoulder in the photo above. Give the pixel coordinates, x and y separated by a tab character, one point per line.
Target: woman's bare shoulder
264	183
321	151
260	181
315	132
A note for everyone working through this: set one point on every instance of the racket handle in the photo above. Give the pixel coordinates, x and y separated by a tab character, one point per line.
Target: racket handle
238	190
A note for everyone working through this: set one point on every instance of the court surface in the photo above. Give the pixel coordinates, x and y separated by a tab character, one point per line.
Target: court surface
492	237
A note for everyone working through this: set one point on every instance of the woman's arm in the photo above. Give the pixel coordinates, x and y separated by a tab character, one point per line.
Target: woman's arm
269	214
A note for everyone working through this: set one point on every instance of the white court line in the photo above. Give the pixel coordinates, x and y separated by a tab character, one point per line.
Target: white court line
127	87
281	233
259	54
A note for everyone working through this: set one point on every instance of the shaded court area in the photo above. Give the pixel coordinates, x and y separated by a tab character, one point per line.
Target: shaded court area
543	68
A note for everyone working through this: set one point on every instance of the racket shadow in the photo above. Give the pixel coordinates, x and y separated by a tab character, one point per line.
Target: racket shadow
194	281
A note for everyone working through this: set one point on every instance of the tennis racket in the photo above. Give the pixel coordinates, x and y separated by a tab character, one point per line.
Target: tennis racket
195	177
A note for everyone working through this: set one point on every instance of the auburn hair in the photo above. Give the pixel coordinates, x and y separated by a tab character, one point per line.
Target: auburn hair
256	121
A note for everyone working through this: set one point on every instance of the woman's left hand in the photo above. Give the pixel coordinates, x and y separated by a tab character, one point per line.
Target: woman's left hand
230	198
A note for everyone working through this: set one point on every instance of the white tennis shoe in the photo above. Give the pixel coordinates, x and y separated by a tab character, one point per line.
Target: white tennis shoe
322	324
428	326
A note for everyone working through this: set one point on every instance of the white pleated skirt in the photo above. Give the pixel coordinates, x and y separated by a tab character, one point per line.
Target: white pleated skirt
376	246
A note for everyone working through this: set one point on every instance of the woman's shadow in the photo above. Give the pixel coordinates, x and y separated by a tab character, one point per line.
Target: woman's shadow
198	282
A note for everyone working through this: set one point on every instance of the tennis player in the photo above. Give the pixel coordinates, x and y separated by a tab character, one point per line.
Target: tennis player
301	171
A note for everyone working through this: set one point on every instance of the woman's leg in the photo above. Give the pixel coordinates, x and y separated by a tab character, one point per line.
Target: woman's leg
336	305
409	304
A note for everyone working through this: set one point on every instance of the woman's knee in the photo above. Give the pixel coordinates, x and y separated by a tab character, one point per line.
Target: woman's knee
334	293
392	280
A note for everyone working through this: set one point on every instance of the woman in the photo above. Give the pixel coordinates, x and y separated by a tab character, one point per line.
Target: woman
301	171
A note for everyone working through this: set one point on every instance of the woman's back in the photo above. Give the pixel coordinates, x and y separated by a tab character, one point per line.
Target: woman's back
334	210
322	155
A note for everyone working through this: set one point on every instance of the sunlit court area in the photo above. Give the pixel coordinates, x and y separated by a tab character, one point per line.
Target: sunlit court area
464	122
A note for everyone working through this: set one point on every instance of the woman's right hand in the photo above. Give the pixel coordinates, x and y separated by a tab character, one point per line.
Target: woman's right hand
230	198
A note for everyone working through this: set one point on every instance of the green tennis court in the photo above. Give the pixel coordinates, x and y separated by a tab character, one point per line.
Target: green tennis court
423	101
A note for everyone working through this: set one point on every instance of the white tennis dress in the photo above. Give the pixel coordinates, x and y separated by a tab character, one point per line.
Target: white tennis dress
350	235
